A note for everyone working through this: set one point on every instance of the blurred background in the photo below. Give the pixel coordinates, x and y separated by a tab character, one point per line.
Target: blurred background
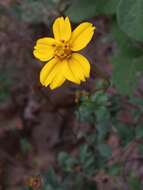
87	136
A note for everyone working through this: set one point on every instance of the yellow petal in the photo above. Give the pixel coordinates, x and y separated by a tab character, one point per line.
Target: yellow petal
57	81
67	72
48	71
43	55
43	49
46	41
62	29
81	36
76	68
80	66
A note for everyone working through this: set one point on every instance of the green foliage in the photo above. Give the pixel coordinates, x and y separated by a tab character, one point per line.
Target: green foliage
66	162
105	150
126	133
115	170
87	160
92	155
130	18
32	11
126	73
139	132
127	62
25	145
109	7
126	45
95	101
134	182
83	9
51	181
138	102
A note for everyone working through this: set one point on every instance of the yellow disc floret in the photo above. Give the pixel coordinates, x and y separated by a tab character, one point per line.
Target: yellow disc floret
63	51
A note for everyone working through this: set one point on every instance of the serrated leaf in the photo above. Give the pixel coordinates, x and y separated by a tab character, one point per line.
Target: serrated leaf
126	73
130	18
85	113
99	98
102	114
102	123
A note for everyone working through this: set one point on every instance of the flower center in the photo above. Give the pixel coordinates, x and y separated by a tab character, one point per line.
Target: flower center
63	51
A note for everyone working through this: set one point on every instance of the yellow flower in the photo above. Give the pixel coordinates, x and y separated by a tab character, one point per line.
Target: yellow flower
60	52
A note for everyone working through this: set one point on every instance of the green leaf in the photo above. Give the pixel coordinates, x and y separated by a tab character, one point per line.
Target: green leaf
50	179
137	101
92	138
84	153
102	114
126	73
125	132
126	45
99	98
139	132
115	105
102	123
115	170
85	112
105	150
87	159
107	7
134	183
66	161
25	145
102	130
81	10
83	150
127	65
130	18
